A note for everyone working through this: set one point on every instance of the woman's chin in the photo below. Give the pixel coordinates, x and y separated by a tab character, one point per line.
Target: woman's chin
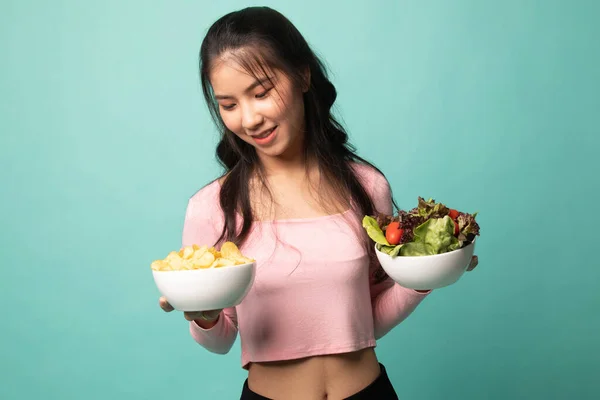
282	148
277	150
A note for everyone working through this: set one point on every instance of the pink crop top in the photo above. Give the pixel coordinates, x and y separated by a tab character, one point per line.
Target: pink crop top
314	291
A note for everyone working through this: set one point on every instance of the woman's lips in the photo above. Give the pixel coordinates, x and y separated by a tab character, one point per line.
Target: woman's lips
265	138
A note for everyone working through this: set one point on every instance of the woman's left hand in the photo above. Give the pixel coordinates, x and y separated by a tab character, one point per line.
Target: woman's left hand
473	264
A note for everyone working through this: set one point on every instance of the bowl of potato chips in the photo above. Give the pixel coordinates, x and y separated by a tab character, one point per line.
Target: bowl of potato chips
202	278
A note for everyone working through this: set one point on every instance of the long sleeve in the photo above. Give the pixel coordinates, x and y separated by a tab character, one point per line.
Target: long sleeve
391	302
201	227
221	337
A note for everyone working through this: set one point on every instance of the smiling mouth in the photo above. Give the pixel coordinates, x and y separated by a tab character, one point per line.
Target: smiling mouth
264	134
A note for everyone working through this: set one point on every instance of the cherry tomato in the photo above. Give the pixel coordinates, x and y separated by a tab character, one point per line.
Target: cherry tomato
393	233
453	213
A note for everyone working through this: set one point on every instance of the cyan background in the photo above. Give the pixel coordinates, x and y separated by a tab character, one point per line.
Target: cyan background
488	106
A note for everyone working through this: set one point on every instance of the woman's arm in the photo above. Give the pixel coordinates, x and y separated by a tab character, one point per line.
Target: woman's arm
221	336
391	302
201	227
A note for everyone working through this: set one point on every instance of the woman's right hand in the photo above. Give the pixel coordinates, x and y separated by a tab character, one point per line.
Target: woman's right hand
204	319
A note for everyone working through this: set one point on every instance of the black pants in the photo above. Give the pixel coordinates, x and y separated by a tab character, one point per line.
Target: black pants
380	389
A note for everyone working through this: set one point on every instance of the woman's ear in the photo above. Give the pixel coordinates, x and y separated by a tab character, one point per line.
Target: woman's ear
306	79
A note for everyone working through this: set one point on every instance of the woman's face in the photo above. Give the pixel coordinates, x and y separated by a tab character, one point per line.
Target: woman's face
268	116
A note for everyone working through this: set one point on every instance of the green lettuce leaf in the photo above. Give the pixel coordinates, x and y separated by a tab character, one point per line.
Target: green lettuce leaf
417	249
392	251
374	231
435	236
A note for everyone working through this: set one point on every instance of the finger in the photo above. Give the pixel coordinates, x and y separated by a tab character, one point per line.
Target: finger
164	304
212	314
192	315
473	264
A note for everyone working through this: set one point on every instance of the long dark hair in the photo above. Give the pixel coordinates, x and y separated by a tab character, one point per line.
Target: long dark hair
260	36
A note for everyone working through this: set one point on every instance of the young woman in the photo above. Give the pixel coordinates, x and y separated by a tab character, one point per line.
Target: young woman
292	196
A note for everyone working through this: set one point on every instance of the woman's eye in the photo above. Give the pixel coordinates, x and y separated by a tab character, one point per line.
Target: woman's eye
227	107
263	94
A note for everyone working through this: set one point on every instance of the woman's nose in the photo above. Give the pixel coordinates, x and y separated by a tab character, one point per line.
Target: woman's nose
251	120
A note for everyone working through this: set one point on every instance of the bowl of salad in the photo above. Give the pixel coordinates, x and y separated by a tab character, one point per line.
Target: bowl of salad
428	247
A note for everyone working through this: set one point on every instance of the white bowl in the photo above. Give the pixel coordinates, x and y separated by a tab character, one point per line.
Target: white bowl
427	272
206	289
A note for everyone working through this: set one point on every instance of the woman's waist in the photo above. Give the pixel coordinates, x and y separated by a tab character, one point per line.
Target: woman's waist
321	376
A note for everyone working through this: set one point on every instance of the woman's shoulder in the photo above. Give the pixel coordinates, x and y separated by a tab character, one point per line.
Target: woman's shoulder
208	195
370	176
204	204
377	186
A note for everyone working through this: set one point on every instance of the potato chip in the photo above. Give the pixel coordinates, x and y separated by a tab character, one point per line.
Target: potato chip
172	256
230	250
204	261
244	260
201	257
222	262
161	265
215	252
186	252
199	250
188	264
